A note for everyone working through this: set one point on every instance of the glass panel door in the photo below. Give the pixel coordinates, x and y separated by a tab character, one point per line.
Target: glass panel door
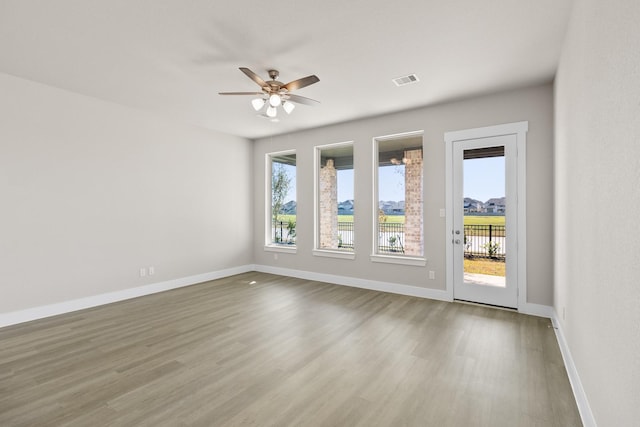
484	221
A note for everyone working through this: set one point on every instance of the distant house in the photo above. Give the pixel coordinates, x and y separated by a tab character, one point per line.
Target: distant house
392	208
289	208
473	205
345	208
495	205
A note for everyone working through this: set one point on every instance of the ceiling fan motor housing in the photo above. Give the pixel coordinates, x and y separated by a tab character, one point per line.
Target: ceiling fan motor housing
275	87
273	74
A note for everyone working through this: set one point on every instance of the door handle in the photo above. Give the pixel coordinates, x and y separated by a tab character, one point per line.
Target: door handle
457	241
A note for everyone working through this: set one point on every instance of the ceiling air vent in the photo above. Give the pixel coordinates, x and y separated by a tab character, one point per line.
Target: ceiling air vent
405	80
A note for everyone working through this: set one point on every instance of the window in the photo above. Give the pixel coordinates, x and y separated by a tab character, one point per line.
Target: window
281	205
334	198
399	205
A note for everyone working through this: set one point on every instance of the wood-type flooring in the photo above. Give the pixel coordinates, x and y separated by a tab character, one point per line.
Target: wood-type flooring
263	350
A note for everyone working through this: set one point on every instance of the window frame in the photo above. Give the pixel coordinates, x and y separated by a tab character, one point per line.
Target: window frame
269	244
376	256
317	250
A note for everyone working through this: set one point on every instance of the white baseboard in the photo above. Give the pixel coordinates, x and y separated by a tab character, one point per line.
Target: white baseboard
528	308
355	282
21	316
574	378
27	315
12	318
536	310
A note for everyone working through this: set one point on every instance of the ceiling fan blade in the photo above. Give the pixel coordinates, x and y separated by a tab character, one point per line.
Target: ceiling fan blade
241	93
300	83
253	76
301	99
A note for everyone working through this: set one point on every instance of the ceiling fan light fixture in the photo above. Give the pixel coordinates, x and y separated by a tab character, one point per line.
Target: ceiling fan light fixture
274	100
288	107
275	94
257	103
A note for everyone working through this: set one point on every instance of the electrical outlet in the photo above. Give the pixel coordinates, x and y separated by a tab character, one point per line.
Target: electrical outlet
443	213
432	275
143	272
152	271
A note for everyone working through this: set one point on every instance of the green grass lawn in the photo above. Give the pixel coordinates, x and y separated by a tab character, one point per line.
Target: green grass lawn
483	220
485	266
286	218
395	219
345	218
468	220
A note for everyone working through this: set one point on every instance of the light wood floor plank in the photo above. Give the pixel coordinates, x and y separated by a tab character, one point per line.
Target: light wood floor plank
283	352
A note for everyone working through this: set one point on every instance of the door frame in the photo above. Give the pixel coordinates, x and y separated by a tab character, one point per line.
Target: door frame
506	296
519	129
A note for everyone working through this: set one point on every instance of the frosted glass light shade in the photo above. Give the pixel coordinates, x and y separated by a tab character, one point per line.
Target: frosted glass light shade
271	111
288	106
274	100
257	103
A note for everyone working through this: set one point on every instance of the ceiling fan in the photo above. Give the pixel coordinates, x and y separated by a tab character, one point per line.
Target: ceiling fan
275	93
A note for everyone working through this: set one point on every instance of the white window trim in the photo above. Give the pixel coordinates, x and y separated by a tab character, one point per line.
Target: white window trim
328	253
376	256
288	249
269	245
399	259
519	129
318	251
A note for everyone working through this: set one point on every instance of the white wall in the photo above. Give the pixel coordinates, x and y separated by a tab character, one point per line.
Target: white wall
92	191
534	104
597	200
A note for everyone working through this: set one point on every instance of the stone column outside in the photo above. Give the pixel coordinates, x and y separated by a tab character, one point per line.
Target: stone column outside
413	226
328	206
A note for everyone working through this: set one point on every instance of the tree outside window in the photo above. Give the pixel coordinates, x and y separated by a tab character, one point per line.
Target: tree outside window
283	209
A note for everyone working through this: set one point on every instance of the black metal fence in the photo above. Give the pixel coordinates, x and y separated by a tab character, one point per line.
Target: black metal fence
485	241
391	237
284	232
345	235
482	241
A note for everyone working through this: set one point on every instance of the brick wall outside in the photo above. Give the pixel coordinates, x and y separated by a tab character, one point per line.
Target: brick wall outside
328	206
413	228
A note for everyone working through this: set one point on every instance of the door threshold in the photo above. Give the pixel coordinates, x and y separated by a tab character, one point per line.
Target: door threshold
480	304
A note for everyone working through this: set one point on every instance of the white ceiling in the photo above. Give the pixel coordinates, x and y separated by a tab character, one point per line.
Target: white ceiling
172	57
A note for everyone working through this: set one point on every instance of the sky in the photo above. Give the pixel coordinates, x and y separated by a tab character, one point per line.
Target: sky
345	185
390	184
483	180
291	171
